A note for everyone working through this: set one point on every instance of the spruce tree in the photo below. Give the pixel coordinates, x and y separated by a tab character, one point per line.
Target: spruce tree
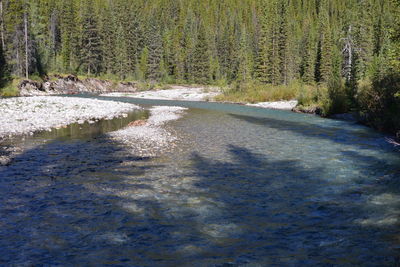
108	40
274	56
155	53
307	67
263	53
283	44
68	35
201	59
121	53
245	61
4	74
90	40
325	49
142	66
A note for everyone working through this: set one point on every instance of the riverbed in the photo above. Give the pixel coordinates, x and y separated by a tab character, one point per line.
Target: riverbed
239	186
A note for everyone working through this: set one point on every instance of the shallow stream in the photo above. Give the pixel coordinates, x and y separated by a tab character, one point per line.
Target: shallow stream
242	186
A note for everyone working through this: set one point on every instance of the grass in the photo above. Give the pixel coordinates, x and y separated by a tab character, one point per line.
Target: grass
11	89
253	92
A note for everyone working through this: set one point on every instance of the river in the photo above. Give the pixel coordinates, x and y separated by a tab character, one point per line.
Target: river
241	186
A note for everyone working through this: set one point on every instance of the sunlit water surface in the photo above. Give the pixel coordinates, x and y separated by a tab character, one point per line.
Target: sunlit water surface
243	186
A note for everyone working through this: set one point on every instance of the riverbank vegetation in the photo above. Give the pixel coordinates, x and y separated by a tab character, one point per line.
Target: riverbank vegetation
337	56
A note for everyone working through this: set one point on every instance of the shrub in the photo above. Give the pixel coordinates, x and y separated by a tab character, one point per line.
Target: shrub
333	97
379	102
11	89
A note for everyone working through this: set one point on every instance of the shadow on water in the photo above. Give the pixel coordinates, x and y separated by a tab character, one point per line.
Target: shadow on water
280	213
56	204
91	202
352	136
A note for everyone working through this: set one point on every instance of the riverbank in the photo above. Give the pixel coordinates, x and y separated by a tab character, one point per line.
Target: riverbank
296	97
174	92
26	115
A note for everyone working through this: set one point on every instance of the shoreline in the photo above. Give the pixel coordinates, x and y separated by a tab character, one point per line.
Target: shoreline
198	93
27	115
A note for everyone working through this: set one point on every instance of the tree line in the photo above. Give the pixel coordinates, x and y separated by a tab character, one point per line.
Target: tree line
274	41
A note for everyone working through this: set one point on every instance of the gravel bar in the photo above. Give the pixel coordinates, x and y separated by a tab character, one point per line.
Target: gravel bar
151	138
26	115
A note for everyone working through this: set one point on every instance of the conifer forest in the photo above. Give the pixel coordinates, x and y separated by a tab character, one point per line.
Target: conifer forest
350	49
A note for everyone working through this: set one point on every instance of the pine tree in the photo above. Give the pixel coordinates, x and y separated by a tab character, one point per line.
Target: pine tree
201	59
275	63
363	38
90	41
325	68
121	54
68	34
155	53
141	68
263	55
4	74
307	67
245	61
283	44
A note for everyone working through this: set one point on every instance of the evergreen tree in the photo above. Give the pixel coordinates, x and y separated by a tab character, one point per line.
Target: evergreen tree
141	69
262	71
108	40
245	61
201	58
274	56
121	54
325	67
4	74
155	53
283	44
307	67
90	40
68	33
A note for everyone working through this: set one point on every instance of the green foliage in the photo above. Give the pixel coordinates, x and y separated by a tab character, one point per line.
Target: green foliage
253	92
201	68
276	42
4	73
141	69
10	89
379	102
90	52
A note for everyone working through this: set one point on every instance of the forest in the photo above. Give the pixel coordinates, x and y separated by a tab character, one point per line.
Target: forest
332	55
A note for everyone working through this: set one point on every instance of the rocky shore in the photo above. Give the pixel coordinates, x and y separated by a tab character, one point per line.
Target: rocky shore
26	115
174	93
71	84
282	105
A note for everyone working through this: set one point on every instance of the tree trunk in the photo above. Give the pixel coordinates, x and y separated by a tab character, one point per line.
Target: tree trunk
2	24
26	46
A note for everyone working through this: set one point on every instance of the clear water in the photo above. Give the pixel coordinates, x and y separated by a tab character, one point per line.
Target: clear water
243	186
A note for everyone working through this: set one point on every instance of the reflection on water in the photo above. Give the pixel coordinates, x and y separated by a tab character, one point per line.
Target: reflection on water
243	186
93	129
